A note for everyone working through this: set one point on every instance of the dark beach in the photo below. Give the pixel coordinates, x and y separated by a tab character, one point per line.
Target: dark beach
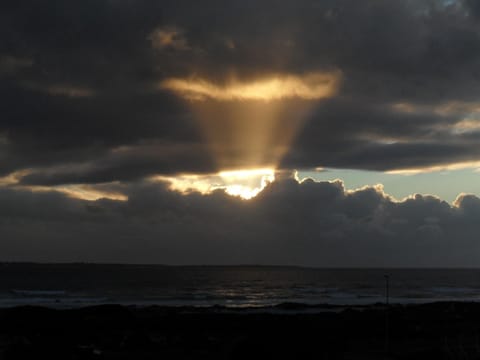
443	330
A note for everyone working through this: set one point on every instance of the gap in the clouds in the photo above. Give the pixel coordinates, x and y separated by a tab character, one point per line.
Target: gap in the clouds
447	184
248	183
245	183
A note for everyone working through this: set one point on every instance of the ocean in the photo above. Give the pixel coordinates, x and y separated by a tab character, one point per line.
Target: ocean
77	285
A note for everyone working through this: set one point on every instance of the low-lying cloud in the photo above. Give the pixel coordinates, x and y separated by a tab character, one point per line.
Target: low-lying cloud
308	223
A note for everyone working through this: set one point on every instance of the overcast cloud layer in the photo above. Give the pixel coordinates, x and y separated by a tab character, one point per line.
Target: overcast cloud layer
80	79
84	101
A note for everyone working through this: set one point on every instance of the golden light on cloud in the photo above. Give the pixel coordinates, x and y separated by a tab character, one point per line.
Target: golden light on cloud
90	193
245	184
312	86
444	109
252	124
82	192
405	108
436	168
13	178
466	125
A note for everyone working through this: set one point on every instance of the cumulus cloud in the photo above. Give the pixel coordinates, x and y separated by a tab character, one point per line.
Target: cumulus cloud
308	223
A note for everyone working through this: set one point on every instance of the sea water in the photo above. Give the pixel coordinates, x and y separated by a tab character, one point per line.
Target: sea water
75	285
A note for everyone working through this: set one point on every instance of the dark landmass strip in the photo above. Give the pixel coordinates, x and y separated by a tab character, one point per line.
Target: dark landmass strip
432	331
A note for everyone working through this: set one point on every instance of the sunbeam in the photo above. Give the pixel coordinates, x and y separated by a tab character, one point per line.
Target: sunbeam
252	124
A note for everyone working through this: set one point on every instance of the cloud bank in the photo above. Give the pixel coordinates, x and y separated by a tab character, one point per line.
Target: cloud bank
308	223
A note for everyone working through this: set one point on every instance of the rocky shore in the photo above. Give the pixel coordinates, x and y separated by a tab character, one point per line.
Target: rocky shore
445	330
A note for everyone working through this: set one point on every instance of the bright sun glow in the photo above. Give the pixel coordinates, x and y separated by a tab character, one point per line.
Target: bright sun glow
245	184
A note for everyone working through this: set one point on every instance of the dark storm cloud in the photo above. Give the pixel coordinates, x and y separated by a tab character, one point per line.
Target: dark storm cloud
79	79
318	224
473	6
349	134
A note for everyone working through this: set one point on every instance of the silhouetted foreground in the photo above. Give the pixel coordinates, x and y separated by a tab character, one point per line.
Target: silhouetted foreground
432	331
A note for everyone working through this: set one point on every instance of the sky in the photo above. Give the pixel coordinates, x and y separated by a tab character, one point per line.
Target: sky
327	133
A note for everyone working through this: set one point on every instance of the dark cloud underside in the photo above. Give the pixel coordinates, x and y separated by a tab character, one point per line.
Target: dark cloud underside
79	79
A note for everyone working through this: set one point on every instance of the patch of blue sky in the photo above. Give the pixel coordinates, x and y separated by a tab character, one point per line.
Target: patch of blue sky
447	185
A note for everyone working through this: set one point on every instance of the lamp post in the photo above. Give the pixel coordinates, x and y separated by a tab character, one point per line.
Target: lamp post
387	305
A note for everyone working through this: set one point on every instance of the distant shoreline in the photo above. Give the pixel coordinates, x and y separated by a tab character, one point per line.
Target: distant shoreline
216	266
